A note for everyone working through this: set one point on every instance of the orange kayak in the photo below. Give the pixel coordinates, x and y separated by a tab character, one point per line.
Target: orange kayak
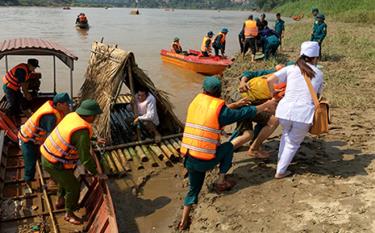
205	65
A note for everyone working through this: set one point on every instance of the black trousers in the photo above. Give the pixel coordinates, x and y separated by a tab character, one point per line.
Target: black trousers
250	43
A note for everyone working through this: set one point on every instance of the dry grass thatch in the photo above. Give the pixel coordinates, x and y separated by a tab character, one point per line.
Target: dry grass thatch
108	68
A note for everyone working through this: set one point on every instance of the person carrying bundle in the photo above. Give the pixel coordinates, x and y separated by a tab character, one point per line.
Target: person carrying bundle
201	147
67	144
37	128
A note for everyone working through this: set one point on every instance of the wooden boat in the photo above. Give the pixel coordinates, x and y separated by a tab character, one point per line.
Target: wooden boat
204	65
25	212
82	25
66	8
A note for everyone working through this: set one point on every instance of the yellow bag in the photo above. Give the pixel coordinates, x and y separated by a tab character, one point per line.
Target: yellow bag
258	89
321	115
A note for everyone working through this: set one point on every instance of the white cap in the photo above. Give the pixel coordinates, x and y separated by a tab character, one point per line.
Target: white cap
310	49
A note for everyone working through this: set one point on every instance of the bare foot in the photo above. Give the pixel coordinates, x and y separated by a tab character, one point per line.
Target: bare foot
260	154
73	219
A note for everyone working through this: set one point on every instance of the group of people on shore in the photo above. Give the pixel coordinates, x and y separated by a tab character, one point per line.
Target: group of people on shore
254	35
265	97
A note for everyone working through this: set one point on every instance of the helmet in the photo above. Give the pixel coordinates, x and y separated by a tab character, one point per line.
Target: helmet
224	30
210	33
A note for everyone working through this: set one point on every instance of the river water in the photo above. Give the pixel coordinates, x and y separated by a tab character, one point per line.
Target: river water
144	34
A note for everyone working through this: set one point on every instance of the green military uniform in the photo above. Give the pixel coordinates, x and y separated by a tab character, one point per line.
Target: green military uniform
30	150
270	45
319	31
279	26
69	186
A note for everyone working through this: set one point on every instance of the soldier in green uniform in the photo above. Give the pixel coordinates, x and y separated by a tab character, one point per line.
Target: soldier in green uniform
319	31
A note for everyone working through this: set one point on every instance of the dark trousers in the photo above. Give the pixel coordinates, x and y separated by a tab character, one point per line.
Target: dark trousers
320	49
14	99
30	153
250	43
241	41
218	50
205	54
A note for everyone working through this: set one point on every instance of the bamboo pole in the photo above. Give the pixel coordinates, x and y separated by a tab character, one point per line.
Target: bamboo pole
141	154
127	155
105	166
150	156
123	160
167	152
147	141
172	149
154	148
137	162
175	144
110	163
46	197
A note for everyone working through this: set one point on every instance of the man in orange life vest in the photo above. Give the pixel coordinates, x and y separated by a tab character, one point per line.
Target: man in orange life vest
206	44
36	129
250	29
219	42
176	46
201	147
14	80
68	143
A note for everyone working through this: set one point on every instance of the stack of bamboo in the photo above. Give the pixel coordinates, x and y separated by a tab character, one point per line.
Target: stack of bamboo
121	161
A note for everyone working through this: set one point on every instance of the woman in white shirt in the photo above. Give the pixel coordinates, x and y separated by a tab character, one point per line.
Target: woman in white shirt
296	110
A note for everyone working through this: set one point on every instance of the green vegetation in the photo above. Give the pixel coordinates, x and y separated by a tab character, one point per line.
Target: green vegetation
34	2
358	11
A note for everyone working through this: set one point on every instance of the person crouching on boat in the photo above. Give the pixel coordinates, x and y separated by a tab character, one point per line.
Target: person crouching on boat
206	48
147	113
14	80
219	42
201	147
67	144
36	129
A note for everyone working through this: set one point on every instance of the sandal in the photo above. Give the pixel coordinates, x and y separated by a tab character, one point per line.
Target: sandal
225	186
72	220
280	176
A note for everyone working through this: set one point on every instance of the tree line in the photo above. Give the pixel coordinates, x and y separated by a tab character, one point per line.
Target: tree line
191	4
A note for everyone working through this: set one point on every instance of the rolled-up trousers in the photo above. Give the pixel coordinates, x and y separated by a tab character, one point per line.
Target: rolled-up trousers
291	139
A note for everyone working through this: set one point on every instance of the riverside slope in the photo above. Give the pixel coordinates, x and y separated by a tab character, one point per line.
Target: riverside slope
333	186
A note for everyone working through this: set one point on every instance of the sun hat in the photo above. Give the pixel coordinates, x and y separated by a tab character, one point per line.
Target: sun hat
310	49
89	107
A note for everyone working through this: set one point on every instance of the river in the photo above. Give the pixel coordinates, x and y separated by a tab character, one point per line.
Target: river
144	34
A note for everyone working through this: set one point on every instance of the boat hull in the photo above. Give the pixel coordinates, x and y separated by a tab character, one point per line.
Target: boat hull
207	66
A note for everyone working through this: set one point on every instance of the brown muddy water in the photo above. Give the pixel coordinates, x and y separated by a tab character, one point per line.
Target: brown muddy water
153	206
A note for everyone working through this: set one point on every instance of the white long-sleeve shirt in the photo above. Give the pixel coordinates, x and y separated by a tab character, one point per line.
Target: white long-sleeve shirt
297	104
147	109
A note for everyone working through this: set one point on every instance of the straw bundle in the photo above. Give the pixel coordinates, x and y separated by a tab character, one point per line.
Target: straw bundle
108	68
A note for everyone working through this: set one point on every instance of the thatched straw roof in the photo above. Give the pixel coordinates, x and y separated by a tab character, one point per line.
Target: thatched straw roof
109	67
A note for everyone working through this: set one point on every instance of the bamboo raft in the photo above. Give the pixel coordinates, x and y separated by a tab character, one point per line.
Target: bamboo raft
130	148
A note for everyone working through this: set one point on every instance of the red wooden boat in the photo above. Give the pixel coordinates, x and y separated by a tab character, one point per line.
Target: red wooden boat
25	212
205	65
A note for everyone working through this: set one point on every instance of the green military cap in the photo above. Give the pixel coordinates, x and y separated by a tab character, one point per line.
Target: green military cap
62	98
212	84
314	10
176	39
89	107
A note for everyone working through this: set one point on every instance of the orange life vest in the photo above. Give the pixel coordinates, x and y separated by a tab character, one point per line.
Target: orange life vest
58	148
176	46
202	130
251	29
203	46
82	19
31	131
222	39
11	80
